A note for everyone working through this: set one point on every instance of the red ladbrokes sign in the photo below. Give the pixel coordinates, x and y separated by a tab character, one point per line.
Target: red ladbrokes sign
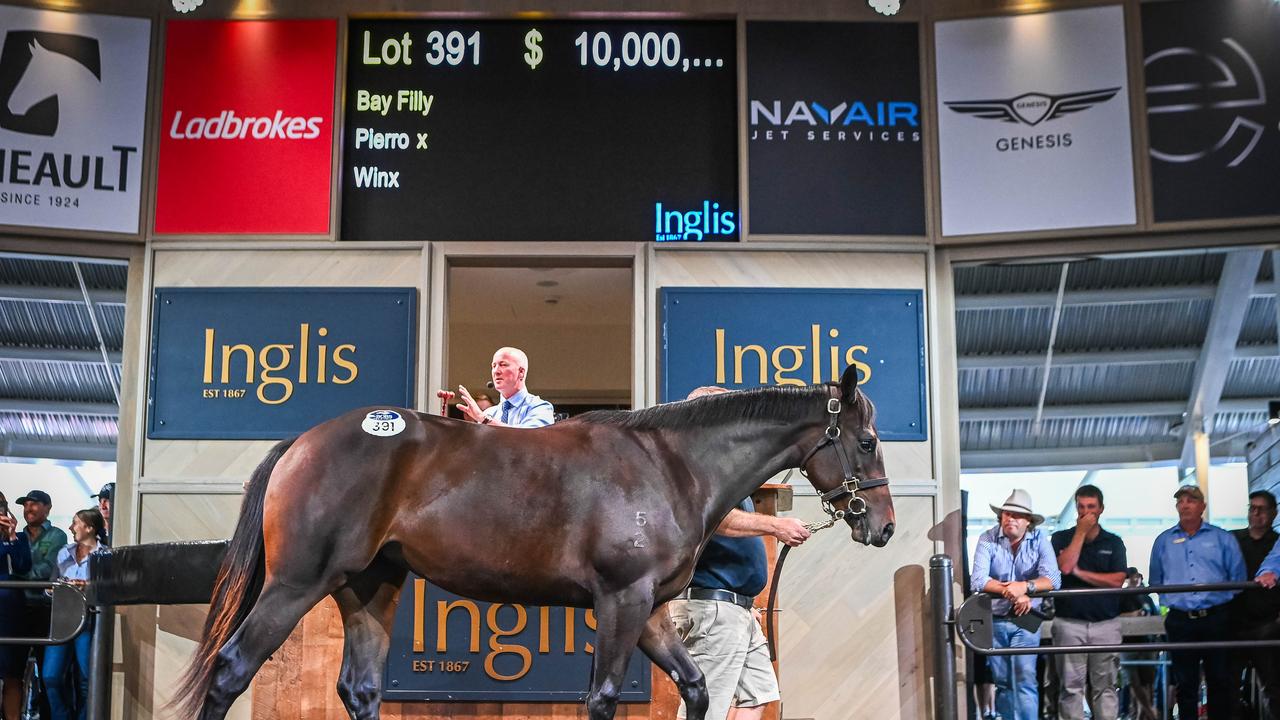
246	135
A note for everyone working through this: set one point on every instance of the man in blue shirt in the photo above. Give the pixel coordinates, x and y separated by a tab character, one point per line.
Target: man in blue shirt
1193	551
1015	558
519	407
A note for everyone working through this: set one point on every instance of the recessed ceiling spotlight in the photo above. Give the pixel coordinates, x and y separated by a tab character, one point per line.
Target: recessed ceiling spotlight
548	283
186	6
884	7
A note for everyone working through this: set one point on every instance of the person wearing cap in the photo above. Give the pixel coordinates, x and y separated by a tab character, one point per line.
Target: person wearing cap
45	541
105	498
715	616
1088	556
519	407
1013	559
1194	551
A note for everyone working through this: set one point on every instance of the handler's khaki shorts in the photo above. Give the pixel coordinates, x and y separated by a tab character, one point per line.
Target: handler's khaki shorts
726	643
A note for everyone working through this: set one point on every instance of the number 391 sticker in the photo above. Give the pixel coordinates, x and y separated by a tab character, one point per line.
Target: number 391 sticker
383	423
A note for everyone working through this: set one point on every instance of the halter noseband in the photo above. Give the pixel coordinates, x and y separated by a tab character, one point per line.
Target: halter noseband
852	483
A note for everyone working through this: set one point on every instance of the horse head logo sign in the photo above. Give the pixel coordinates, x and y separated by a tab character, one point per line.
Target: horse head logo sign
36	70
1221	89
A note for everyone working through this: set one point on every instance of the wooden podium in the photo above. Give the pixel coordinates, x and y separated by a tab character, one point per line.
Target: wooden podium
297	683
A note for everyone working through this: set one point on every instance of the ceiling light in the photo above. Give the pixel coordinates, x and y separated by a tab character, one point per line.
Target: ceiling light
884	7
186	6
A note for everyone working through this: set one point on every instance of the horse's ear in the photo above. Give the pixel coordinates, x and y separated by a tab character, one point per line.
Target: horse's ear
849	384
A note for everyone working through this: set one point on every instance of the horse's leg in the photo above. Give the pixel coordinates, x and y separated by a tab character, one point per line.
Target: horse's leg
368	605
620	618
277	611
663	646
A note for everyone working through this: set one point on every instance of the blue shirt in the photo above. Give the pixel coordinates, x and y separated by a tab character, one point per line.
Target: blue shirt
1212	555
68	567
994	560
733	563
527	411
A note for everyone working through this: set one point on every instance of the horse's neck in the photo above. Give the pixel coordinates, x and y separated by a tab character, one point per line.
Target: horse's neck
731	460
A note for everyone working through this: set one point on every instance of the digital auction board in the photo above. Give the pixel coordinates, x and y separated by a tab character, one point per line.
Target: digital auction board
541	131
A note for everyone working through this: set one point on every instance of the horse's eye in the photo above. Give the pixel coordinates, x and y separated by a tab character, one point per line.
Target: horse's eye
868	445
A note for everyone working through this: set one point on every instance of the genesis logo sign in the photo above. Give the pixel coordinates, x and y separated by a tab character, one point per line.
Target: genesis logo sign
1031	109
846	121
36	68
1211	85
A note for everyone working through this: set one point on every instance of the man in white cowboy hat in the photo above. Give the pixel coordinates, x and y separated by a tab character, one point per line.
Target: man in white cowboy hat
1015	558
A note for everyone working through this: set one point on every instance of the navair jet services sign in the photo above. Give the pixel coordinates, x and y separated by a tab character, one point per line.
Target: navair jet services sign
73	95
1033	122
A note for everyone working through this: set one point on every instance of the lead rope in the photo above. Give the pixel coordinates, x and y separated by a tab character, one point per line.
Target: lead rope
812	527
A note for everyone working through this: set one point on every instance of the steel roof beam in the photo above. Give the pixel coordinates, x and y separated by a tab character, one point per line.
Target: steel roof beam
55	450
45	293
1230	303
1062	458
55	355
59	407
1169	408
1106	296
1108	357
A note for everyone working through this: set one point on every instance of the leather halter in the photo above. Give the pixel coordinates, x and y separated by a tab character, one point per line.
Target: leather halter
851	484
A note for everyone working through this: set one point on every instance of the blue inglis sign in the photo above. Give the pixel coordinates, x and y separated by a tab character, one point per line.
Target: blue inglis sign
267	363
753	337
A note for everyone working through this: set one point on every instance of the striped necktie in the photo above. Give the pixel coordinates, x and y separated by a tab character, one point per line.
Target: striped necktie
506	410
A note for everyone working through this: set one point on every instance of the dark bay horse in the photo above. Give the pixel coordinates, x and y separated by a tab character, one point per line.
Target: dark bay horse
607	510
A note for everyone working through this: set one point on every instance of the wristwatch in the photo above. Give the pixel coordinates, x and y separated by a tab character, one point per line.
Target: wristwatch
486	420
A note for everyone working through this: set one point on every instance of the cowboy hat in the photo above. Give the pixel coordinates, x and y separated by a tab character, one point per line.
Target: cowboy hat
1019	502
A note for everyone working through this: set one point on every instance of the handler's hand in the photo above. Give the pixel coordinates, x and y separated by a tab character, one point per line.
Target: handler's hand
1266	579
790	530
1022	605
468	405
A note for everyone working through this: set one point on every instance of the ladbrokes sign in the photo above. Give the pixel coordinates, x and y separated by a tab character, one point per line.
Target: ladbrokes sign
73	92
247	127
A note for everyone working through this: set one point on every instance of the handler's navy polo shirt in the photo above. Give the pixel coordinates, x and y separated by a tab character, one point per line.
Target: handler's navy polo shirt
737	564
1104	555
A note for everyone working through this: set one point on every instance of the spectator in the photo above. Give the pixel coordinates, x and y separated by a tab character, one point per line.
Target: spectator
15	562
519	407
73	567
1088	556
1193	551
715	617
106	499
1141	677
45	541
1254	613
1014	558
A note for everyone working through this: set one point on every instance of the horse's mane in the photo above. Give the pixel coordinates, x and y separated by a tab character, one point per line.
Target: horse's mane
786	403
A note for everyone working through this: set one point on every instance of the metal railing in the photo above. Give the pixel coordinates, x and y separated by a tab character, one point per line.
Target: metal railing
68	612
973	623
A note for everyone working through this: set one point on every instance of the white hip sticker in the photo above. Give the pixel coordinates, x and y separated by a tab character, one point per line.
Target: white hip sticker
383	423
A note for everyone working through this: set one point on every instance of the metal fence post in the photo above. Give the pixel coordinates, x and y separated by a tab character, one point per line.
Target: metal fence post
944	655
100	661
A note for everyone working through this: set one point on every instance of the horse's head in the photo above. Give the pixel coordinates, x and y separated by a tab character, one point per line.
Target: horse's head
846	465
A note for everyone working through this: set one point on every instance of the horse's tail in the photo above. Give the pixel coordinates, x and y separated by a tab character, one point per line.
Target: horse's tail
236	590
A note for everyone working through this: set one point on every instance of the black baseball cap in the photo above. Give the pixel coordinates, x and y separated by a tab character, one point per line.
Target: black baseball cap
108	491
39	496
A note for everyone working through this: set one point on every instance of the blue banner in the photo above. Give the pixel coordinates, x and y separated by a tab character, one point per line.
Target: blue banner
752	337
445	647
268	363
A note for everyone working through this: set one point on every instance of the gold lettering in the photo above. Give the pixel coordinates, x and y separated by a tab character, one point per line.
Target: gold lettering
544	630
419	600
320	374
268	367
570	625
817	353
208	356
591	623
304	334
739	351
344	363
864	370
719	356
835	356
497	647
797	357
227	350
443	608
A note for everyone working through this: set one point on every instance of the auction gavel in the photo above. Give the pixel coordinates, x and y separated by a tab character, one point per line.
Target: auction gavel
445	396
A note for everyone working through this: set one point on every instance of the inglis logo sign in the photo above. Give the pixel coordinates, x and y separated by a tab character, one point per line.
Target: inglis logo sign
675	225
222	368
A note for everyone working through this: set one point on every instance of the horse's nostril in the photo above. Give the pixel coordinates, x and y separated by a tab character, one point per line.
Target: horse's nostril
887	532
